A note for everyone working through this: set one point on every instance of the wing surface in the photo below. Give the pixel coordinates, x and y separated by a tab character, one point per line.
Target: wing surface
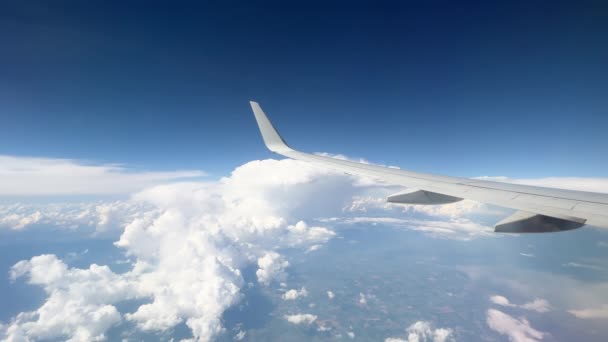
538	209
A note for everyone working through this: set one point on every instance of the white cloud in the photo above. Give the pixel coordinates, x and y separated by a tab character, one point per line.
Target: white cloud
538	305
271	266
518	330
301	318
351	334
330	295
377	201
362	299
563	290
500	300
98	216
79	304
240	335
591	313
28	176
189	243
423	331
579	265
313	248
294	294
528	255
322	327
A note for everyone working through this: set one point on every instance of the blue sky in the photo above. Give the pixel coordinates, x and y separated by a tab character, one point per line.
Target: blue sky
467	89
138	202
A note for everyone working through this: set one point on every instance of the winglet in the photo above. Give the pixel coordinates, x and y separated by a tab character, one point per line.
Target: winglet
271	137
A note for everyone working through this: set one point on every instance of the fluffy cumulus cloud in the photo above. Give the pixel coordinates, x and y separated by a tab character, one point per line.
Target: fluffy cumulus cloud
423	331
458	228
294	294
271	266
79	303
301	318
27	176
517	330
189	243
538	304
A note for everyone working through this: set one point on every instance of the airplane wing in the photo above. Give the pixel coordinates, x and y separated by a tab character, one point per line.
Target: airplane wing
538	209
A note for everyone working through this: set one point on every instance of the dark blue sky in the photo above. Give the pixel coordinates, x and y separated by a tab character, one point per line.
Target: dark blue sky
478	88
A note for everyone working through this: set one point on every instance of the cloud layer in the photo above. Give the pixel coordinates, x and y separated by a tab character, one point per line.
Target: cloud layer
28	176
189	243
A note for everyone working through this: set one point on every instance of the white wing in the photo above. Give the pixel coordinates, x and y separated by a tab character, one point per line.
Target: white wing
538	209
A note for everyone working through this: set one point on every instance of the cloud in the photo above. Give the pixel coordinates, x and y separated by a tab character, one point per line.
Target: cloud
518	330
294	294
330	295
79	304
29	176
579	265
189	243
562	289
422	331
301	318
538	305
452	228
528	255
362	299
97	216
500	300
240	335
591	313
378	202
271	266
313	248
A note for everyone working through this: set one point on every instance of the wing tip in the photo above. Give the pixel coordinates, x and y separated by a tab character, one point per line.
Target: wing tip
272	139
